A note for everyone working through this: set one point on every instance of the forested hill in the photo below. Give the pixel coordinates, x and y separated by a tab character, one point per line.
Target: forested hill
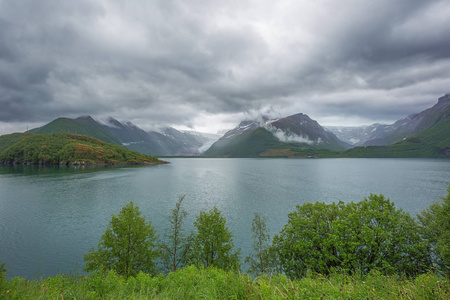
66	148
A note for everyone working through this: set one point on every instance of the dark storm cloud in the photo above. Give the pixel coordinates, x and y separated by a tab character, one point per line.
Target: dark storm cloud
178	63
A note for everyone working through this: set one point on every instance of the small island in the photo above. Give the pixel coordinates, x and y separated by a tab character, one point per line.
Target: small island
67	149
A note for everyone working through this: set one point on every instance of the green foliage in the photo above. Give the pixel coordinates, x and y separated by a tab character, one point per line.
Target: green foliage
128	245
248	144
213	243
65	148
354	237
2	276
211	283
8	140
175	250
435	228
262	260
339	250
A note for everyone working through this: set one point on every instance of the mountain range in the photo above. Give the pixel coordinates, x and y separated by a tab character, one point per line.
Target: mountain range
381	134
254	137
167	142
300	136
427	132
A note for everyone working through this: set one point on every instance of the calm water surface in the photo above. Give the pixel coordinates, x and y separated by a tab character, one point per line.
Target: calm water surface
51	216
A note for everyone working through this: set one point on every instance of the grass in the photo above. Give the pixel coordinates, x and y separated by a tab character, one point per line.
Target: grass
194	283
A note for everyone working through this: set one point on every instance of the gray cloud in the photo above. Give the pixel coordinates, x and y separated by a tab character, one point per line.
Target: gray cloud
178	63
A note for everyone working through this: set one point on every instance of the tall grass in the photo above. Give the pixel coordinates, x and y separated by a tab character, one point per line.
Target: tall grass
194	283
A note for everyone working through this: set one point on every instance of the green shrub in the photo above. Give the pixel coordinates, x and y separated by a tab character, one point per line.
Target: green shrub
353	237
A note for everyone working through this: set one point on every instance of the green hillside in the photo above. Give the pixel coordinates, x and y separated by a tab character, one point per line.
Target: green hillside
81	125
262	143
66	148
431	142
248	144
8	140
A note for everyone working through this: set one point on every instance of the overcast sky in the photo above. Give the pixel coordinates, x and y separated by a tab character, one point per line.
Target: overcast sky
207	65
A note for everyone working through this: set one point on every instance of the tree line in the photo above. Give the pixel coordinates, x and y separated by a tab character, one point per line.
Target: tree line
355	238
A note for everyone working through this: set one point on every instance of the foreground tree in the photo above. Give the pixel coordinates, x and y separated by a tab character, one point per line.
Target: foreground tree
435	228
175	249
261	261
354	237
213	243
128	245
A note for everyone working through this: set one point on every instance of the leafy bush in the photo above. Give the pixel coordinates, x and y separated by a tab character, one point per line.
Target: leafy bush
435	228
354	237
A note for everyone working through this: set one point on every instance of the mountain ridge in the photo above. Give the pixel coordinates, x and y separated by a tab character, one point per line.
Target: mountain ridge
253	137
168	142
294	131
300	136
382	134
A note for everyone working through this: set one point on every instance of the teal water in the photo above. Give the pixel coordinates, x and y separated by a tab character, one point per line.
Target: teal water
51	216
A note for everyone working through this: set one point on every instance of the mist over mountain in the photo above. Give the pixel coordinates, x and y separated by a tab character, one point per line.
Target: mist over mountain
274	137
359	135
254	137
259	136
381	134
167	142
300	128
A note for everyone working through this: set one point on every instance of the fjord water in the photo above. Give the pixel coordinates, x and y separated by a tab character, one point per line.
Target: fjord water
51	216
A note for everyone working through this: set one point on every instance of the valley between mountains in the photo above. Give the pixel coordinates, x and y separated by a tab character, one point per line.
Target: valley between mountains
425	134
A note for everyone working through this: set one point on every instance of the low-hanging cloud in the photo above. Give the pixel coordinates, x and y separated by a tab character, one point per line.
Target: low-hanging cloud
287	136
172	63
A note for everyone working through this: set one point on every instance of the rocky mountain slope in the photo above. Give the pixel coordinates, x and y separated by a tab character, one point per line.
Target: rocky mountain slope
264	136
253	137
300	128
167	142
433	141
380	134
